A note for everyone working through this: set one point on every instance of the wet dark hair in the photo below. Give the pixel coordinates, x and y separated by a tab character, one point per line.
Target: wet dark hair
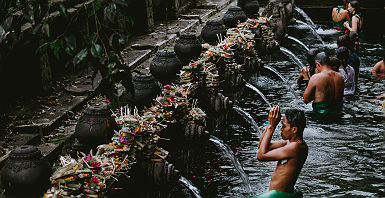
344	40
310	59
296	118
335	63
322	58
356	5
344	2
342	53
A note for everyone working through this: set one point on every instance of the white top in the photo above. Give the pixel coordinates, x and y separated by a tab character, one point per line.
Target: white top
349	79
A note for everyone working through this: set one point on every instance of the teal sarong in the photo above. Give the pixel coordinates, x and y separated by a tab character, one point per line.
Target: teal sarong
277	194
334	107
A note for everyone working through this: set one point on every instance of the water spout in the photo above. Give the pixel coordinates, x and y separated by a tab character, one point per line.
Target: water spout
247	117
275	72
230	154
190	186
292	56
259	92
305	16
312	30
299	42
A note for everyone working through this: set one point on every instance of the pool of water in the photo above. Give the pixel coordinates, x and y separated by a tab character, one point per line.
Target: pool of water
345	159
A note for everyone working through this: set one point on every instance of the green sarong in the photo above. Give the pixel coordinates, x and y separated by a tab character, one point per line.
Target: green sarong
276	194
334	107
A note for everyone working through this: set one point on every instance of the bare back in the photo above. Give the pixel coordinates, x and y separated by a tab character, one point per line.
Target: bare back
286	173
326	86
341	14
379	69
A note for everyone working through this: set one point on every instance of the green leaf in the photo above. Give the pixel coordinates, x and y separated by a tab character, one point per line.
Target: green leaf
96	8
80	56
62	10
56	46
70	44
41	47
45	30
110	12
7	23
96	51
2	33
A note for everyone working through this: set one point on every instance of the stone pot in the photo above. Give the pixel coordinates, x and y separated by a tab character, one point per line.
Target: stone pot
95	127
250	7
165	66
26	173
211	30
232	16
187	48
145	88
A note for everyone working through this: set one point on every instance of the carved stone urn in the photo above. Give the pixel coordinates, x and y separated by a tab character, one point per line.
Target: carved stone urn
232	16
26	173
145	88
95	126
250	7
187	48
211	30
165	66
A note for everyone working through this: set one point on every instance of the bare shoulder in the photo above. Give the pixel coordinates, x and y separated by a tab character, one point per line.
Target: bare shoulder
339	75
298	146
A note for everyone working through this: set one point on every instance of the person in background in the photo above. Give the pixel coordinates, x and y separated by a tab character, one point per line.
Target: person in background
310	70
325	88
355	23
290	152
378	71
335	64
346	71
340	15
353	59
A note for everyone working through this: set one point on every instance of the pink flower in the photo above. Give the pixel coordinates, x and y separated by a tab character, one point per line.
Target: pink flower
107	101
95	180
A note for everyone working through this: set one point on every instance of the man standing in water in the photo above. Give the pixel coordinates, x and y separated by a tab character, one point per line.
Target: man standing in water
326	88
290	152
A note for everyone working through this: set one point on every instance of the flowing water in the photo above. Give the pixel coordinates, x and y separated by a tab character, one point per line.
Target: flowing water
190	186
292	56
299	42
345	159
275	72
247	117
230	154
305	16
314	32
259	92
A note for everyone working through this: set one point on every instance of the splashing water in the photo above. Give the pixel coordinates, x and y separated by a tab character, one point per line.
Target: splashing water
259	92
312	30
305	16
247	117
292	56
299	42
190	186
230	154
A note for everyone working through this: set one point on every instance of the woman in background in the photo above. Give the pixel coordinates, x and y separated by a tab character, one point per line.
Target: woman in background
340	15
355	24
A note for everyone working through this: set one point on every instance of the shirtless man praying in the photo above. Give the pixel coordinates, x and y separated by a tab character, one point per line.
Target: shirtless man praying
290	152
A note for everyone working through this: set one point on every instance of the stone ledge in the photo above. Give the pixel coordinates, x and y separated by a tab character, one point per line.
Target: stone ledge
133	58
200	14
214	4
